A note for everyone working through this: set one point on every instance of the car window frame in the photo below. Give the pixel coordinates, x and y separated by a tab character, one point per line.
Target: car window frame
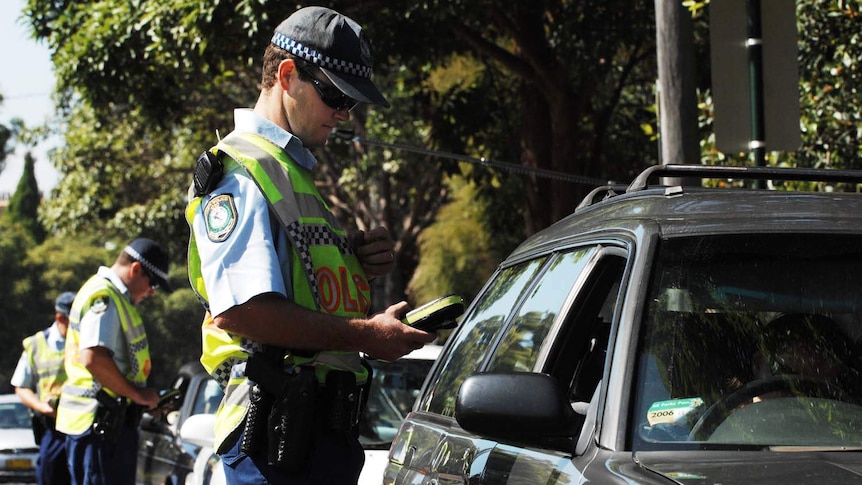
559	318
426	399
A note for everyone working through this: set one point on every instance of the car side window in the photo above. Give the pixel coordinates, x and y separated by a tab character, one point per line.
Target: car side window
580	350
519	348
208	398
476	336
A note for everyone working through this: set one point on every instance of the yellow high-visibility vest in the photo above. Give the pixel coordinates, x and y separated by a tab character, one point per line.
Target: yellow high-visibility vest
78	403
326	274
46	364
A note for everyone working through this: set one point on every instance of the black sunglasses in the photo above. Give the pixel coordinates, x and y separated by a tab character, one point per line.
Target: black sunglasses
330	95
152	279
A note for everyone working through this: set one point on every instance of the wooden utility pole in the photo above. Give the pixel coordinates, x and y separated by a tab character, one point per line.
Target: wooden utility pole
677	103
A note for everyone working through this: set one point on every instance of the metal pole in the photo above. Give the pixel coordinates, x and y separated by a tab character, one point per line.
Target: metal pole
754	44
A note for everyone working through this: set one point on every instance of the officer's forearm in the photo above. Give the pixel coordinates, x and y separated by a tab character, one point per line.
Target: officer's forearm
273	320
29	398
98	361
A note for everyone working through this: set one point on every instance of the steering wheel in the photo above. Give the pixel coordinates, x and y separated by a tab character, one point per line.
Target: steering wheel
794	384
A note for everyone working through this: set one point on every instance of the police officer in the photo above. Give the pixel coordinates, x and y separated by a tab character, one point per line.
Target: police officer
107	362
287	291
38	380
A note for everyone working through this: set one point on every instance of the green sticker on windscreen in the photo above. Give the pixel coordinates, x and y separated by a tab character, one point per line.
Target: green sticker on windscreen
673	410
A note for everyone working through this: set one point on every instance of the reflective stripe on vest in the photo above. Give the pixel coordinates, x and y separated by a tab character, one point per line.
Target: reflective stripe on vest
326	275
78	404
47	366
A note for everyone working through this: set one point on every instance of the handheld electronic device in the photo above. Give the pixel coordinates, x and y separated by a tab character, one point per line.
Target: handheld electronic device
168	397
436	315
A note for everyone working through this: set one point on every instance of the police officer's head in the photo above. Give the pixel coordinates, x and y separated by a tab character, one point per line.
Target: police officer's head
62	308
327	42
63	303
322	60
145	265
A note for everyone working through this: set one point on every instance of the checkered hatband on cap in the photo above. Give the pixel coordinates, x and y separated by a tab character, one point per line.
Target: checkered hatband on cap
312	55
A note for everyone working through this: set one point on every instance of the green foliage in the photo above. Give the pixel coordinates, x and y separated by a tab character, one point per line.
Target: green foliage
830	52
16	280
121	184
174	332
5	136
18	317
456	251
562	86
24	205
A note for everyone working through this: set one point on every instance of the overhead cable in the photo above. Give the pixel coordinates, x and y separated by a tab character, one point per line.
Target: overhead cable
345	134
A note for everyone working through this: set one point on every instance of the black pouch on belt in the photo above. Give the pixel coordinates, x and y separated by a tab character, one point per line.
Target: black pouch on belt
291	423
110	416
340	401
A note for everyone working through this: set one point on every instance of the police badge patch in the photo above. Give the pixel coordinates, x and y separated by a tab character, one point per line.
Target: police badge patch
220	217
100	305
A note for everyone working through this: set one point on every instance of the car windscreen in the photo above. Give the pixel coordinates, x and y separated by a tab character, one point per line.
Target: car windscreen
751	341
14	415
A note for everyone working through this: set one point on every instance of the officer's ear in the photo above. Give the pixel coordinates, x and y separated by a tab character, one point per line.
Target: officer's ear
285	69
136	270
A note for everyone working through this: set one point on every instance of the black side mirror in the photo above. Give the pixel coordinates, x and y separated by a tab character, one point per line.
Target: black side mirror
522	407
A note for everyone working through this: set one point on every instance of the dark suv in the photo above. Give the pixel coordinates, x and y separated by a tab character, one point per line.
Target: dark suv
660	334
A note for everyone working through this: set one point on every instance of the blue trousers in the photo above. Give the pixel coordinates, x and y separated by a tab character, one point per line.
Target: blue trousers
52	468
92	461
336	459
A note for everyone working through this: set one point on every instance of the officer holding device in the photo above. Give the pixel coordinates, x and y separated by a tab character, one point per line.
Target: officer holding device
286	289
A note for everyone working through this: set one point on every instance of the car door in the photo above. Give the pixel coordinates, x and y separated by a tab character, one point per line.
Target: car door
163	456
514	326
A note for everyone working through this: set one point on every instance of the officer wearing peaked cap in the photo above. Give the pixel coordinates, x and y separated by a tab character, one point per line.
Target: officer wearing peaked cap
107	363
38	378
287	291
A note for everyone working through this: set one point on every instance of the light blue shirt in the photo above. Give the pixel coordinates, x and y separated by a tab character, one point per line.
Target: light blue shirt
104	329
255	257
24	375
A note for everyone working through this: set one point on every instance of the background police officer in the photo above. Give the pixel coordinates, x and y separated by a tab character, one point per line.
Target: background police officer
38	380
108	362
289	277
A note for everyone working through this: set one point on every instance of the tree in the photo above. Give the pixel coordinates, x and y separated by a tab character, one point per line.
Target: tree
561	82
456	257
24	205
5	136
565	86
553	74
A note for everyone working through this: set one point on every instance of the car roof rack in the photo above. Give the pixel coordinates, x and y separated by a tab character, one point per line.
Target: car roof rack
601	193
641	182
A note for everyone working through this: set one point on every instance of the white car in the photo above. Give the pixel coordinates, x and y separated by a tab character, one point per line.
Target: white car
394	388
18	449
207	470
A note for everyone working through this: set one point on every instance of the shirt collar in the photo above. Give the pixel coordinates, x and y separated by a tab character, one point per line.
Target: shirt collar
54	335
247	121
108	274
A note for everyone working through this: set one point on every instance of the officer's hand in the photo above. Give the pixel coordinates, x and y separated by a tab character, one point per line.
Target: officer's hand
376	251
46	409
391	338
146	397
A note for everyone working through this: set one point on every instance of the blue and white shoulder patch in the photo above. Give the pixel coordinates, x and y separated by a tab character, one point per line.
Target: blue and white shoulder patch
100	305
220	217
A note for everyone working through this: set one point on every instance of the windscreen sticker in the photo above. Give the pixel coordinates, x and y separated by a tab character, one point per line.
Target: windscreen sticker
672	411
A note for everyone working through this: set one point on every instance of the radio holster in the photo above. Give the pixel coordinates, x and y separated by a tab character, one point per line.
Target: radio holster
110	416
280	420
